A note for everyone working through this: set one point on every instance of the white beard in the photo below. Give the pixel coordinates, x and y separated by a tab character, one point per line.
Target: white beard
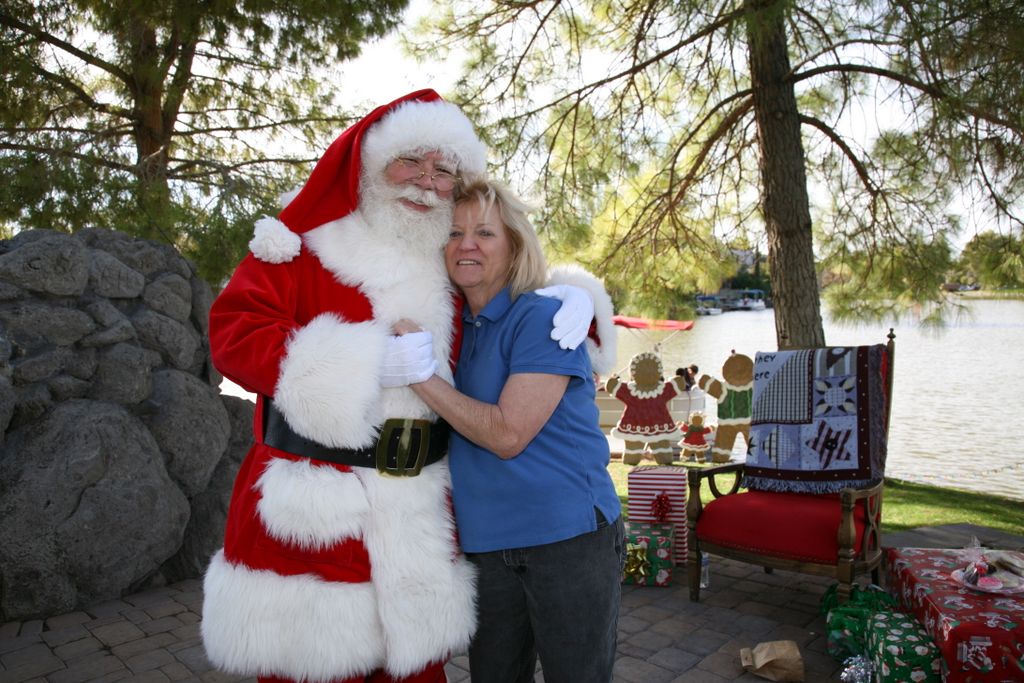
395	224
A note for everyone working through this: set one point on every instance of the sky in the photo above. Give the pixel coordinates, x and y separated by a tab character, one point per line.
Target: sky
383	72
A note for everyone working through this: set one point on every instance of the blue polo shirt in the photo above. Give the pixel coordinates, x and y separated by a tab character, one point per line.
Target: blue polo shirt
548	492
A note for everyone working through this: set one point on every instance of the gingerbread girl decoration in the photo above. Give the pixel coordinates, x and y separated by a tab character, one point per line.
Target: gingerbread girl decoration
694	444
646	422
734	393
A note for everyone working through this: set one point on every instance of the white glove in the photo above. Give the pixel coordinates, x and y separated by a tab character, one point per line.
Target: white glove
572	321
408	359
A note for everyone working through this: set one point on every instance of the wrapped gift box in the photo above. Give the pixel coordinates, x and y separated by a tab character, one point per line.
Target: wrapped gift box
847	623
648	554
901	650
657	495
979	635
847	629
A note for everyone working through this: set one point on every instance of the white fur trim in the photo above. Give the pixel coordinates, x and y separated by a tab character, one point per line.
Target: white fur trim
425	588
642	393
602	358
310	505
401	281
273	242
329	382
646	438
424	126
298	627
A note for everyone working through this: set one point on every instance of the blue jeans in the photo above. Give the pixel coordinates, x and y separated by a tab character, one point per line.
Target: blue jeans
559	601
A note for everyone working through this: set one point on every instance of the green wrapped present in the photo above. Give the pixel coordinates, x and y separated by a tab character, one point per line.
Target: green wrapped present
846	629
648	554
847	624
901	650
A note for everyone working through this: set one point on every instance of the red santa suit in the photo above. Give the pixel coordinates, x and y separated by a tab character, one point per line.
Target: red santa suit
331	571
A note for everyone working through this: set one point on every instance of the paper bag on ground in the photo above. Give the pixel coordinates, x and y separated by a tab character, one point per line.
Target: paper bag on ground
778	660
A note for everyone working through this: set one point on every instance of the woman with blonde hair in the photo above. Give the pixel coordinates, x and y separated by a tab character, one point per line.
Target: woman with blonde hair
536	509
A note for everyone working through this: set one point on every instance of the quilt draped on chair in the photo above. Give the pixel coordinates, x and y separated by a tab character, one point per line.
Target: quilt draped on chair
819	419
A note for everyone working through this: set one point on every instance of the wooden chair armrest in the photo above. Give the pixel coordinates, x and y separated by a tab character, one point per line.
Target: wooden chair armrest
694	477
852	495
696	474
847	534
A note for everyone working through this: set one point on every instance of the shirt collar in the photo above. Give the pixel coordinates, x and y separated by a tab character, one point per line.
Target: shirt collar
495	308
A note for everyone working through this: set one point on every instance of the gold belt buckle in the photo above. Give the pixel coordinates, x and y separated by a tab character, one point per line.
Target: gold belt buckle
403	453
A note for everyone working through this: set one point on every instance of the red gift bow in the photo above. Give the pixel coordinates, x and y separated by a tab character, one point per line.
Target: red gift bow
661	506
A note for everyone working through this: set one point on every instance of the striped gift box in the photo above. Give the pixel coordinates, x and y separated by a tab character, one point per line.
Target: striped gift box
644	485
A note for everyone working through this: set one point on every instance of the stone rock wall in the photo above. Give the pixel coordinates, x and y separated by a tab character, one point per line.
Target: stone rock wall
117	450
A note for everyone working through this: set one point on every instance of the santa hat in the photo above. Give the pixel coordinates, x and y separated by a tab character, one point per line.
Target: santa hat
418	122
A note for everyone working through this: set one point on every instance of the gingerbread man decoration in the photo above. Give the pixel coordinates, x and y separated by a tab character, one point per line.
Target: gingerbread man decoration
646	422
734	393
694	444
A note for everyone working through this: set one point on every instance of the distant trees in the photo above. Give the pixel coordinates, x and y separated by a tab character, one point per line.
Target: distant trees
658	130
178	120
993	261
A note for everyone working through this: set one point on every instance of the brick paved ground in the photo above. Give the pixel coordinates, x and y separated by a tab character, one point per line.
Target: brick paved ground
663	637
154	636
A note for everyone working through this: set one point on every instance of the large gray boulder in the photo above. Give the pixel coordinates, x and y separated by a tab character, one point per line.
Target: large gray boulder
204	534
117	450
88	508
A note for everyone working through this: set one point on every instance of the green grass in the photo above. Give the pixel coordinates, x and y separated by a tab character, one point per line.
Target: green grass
906	505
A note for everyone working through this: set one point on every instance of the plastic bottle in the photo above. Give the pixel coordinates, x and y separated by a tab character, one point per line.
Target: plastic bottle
705	570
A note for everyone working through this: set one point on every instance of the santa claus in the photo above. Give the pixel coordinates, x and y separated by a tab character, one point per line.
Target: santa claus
340	560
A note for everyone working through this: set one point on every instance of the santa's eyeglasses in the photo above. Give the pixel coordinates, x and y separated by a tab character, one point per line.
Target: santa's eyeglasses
409	170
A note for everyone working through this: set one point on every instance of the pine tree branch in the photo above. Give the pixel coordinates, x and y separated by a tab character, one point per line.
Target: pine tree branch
50	39
838	141
932	90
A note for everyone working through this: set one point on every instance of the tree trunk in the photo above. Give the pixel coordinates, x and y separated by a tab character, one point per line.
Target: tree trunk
784	199
155	219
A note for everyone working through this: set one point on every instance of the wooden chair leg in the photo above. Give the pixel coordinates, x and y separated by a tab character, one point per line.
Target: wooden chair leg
693	569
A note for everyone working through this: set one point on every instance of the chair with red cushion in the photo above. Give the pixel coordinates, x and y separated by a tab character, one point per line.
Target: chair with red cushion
809	496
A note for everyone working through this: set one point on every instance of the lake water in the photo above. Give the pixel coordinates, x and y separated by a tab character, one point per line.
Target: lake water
958	393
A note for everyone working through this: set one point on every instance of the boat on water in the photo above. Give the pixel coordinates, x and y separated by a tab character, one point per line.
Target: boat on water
742	299
707	304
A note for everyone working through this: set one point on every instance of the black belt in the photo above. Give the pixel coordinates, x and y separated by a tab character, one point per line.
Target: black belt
401	440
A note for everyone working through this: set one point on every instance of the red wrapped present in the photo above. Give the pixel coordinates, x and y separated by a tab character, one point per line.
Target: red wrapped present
657	495
980	635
